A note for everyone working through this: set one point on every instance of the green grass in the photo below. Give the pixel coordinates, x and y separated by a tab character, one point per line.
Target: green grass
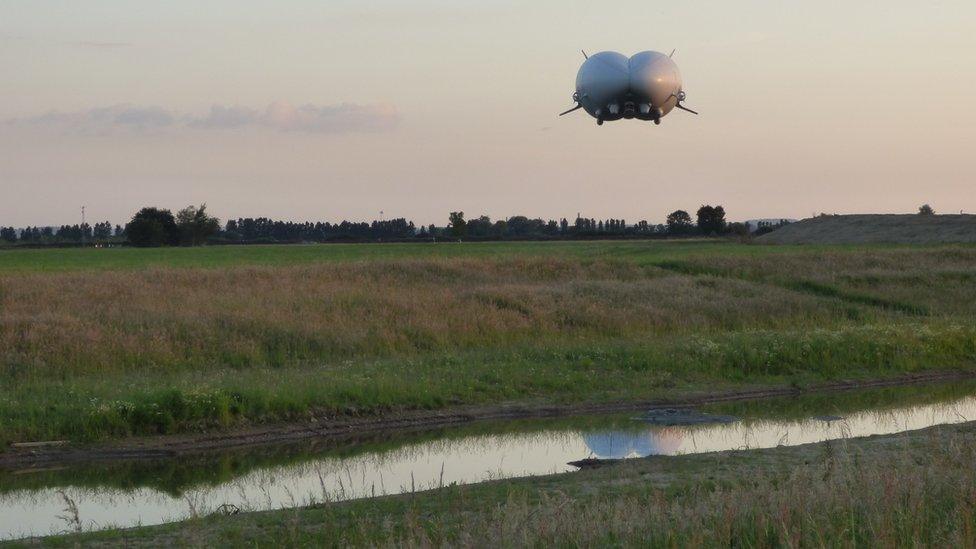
911	489
71	259
643	251
176	477
145	404
105	343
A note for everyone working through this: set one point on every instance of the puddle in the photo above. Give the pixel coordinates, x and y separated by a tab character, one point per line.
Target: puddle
144	493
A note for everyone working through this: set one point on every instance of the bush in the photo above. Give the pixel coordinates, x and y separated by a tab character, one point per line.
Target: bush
153	227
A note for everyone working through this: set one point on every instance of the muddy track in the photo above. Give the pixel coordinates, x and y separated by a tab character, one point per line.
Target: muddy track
339	428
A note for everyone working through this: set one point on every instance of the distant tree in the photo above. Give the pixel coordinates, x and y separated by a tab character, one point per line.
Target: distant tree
231	231
737	229
500	228
480	226
195	226
563	226
102	231
457	224
766	227
74	233
63	233
711	220
519	225
679	222
152	227
119	231
925	209
8	234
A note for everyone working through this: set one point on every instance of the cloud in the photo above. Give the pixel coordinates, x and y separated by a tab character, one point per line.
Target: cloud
343	118
101	120
281	116
140	117
101	45
221	117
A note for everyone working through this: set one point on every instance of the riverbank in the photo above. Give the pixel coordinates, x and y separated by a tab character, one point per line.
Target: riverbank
914	488
336	430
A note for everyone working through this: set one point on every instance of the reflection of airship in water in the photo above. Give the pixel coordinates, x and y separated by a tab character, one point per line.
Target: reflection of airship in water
610	86
630	444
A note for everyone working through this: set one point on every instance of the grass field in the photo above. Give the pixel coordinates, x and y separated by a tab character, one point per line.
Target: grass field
877	228
86	259
916	489
108	343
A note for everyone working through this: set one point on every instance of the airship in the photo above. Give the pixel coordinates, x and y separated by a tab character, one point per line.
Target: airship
645	86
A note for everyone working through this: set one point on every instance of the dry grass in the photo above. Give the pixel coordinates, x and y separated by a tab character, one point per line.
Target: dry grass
939	281
87	323
839	501
95	353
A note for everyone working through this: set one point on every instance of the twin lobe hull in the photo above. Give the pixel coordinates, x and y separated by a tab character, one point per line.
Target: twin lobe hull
602	81
610	86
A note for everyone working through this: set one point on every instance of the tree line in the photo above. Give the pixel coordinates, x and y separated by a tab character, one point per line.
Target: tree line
193	226
99	232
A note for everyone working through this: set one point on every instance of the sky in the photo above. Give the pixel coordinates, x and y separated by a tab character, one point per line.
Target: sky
325	110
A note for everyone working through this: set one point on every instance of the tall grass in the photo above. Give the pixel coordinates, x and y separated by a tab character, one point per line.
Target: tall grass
164	320
87	354
936	281
840	501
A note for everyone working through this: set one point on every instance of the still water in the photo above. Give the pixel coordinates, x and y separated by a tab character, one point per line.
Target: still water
144	493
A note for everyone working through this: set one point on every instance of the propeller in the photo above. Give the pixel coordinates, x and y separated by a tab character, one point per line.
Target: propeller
681	97
578	106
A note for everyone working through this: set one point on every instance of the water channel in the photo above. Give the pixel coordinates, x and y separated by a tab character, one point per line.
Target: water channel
36	502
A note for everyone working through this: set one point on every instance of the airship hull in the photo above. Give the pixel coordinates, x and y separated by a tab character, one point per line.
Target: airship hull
611	86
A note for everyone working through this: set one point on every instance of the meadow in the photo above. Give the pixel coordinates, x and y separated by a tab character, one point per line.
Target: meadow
105	343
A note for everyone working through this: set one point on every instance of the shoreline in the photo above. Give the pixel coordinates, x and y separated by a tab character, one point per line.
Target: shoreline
36	455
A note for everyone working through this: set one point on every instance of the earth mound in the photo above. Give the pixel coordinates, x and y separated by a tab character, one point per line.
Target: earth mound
876	228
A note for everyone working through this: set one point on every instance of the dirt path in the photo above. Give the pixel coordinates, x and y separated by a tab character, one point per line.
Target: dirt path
170	446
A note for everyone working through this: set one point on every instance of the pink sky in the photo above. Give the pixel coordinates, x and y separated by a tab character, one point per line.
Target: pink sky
324	110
